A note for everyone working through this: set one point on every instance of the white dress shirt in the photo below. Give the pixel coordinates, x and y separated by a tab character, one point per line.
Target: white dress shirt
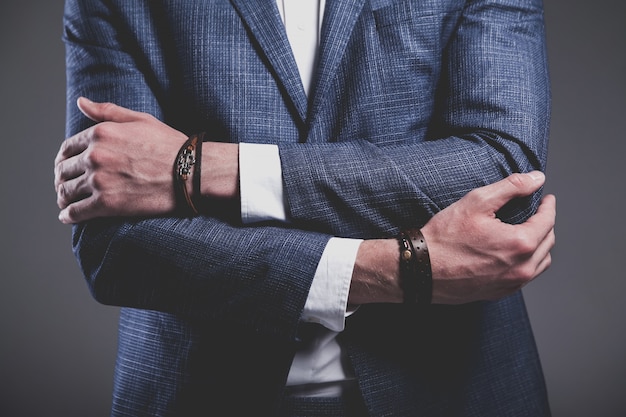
262	199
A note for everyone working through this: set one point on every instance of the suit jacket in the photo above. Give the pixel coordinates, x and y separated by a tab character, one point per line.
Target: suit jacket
415	102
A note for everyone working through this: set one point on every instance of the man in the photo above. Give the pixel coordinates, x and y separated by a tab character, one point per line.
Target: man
279	290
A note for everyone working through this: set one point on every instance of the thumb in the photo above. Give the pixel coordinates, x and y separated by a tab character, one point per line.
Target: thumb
499	193
105	112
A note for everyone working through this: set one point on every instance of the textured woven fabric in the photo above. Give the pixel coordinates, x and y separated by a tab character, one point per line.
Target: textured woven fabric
414	103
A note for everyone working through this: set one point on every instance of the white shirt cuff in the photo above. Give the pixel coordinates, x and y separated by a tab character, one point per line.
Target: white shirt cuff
262	199
260	183
328	297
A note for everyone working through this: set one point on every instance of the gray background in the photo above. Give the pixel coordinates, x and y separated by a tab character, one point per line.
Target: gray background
57	345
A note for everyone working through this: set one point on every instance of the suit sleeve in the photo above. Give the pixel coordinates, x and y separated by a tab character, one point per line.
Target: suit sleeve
491	119
206	267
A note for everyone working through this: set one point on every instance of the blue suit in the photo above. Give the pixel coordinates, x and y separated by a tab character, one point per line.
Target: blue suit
414	104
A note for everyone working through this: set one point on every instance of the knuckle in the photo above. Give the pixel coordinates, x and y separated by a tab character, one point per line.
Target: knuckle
96	182
61	196
95	157
90	156
521	275
517	180
62	190
61	154
101	199
63	148
107	202
526	274
99	131
103	131
108	107
475	193
58	171
73	214
474	198
545	263
524	245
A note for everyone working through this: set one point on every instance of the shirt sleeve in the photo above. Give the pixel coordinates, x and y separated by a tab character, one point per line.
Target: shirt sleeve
261	189
260	183
327	301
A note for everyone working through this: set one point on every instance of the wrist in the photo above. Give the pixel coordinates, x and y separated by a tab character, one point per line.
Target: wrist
375	278
220	171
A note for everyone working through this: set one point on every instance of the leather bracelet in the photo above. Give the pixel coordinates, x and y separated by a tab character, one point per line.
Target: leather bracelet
185	161
408	267
415	270
424	271
196	197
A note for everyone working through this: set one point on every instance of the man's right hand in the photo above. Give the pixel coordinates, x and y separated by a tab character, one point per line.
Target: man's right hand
474	255
123	166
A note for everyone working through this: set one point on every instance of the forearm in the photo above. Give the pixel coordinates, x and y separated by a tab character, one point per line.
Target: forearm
392	187
376	276
200	267
220	171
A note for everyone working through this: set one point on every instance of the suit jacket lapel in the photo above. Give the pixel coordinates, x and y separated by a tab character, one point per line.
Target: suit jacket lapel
340	17
264	23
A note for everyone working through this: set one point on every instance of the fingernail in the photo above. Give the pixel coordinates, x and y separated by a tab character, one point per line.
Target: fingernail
536	175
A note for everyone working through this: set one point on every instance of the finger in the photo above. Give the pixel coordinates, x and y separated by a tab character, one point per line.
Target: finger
69	192
542	266
545	216
72	146
80	211
496	195
541	258
106	112
68	169
544	247
545	263
535	237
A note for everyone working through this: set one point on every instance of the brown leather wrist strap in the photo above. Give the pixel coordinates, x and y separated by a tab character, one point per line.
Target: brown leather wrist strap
424	270
196	196
407	269
185	161
416	276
